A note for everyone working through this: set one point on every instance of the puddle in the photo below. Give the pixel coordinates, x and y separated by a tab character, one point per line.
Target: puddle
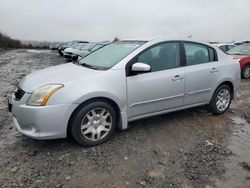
38	51
239	121
239	144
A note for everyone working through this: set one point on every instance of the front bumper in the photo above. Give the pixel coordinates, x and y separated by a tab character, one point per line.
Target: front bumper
43	122
67	55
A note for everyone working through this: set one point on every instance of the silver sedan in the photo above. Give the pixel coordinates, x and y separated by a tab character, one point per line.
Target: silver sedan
124	81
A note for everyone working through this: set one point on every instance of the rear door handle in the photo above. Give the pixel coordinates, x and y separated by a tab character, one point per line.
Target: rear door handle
213	70
177	77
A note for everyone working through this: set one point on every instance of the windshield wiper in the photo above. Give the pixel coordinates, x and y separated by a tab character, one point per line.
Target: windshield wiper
100	43
93	67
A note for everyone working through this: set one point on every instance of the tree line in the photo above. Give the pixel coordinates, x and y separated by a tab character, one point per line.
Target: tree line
7	43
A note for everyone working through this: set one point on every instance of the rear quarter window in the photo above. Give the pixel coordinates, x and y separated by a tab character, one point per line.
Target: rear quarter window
212	55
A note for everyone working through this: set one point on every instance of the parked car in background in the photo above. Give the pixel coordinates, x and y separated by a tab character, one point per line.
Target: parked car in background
124	81
55	46
225	46
242	54
67	53
242	42
67	45
87	49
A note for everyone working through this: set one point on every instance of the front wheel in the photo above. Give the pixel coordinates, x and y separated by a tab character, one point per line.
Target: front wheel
75	58
60	53
221	100
93	124
246	72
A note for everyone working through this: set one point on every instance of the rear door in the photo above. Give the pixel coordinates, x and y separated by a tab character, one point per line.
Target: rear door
201	73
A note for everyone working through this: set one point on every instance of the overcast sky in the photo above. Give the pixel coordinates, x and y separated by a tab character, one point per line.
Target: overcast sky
95	20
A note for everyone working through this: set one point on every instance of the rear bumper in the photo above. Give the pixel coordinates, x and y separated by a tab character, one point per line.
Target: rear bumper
47	122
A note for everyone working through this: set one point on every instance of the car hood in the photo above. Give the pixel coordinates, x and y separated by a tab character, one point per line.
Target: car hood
70	50
75	51
60	74
82	53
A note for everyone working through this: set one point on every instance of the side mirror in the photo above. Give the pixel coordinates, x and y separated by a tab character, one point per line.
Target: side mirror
140	67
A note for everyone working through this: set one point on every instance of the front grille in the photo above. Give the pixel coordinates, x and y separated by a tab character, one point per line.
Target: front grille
19	94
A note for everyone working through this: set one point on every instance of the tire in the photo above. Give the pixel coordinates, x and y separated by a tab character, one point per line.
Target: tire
216	105
74	58
246	72
90	119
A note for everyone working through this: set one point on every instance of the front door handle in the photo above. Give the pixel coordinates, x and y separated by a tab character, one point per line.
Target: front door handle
213	70
177	77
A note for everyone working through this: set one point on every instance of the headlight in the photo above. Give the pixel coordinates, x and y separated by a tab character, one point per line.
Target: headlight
40	96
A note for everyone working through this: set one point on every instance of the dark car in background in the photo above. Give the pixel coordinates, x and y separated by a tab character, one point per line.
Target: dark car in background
55	46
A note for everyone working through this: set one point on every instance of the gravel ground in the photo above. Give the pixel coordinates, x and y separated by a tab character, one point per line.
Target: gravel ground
190	148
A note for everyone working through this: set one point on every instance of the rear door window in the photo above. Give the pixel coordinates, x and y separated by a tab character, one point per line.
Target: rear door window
196	53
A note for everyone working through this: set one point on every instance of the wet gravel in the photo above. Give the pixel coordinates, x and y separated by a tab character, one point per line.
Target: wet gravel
190	148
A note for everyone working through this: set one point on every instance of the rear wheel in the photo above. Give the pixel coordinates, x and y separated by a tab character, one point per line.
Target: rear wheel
94	124
221	100
246	72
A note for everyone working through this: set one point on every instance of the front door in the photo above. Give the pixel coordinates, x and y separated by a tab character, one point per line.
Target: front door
162	88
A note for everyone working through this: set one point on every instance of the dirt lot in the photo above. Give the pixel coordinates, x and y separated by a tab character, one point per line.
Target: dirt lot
190	148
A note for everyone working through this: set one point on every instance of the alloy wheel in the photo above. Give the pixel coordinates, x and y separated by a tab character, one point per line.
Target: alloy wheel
223	100
96	124
246	72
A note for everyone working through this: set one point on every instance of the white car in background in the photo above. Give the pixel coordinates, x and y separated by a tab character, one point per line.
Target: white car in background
67	53
87	49
225	47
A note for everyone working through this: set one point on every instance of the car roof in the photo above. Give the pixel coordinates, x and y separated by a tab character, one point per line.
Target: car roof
224	44
152	38
165	38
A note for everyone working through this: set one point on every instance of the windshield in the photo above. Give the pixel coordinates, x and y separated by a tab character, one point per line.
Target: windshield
79	46
75	45
70	43
87	46
109	55
240	50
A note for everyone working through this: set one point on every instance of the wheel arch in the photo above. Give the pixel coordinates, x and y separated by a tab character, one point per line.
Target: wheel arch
245	63
88	101
228	83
